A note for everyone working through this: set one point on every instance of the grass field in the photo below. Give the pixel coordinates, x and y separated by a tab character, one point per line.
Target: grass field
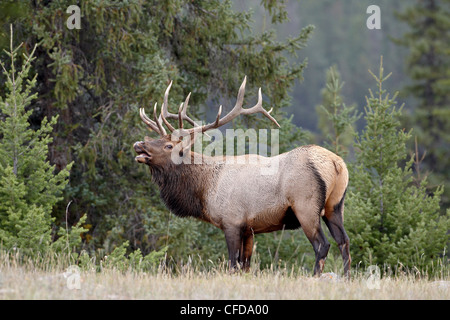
19	281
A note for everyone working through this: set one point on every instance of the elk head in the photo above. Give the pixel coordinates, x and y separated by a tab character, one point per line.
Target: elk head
176	145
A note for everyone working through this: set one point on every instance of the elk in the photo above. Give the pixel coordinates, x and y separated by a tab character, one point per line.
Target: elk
309	185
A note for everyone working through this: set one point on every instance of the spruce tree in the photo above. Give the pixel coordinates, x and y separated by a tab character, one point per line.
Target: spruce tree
428	65
336	119
389	219
29	186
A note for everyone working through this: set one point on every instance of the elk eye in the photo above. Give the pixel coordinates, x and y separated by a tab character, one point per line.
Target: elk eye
168	146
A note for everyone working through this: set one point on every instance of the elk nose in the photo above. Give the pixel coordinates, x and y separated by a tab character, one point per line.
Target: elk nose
138	146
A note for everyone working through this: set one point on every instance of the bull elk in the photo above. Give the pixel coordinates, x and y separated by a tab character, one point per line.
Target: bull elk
310	184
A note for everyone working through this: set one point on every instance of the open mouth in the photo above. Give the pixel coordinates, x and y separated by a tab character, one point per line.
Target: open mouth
143	156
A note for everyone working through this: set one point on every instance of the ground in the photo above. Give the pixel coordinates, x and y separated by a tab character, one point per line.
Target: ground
18	282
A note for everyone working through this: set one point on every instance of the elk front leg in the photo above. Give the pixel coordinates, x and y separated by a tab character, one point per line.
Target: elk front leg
233	236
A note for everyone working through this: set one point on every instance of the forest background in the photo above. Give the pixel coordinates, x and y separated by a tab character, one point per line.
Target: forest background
68	180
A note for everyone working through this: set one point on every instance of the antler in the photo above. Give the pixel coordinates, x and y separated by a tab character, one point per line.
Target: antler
236	111
156	125
181	111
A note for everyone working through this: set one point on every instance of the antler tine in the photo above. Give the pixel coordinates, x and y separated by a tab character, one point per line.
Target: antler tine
165	114
184	114
218	116
164	109
180	116
238	106
150	123
161	129
259	108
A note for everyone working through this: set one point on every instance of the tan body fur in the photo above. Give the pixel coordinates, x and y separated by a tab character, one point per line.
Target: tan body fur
242	195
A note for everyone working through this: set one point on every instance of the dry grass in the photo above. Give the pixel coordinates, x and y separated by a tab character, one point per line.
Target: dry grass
28	281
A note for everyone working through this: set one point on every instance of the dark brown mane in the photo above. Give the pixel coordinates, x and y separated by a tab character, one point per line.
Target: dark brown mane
183	188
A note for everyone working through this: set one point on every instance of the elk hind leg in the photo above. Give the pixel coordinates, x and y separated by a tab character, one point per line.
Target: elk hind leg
334	219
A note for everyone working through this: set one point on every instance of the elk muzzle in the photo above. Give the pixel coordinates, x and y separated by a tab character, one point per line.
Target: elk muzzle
143	156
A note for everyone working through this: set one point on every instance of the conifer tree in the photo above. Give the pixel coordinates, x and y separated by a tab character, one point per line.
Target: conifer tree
389	219
336	119
428	65
29	186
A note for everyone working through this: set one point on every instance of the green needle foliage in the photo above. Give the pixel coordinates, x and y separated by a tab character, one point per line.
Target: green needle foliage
428	66
390	219
29	186
336	119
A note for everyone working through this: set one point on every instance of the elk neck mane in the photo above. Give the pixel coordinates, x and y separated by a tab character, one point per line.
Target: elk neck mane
183	187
